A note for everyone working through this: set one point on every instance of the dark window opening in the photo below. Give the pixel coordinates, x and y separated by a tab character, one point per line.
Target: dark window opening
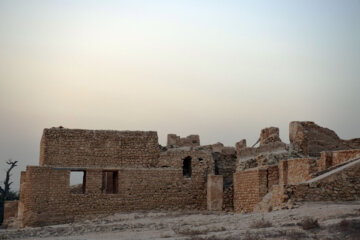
187	167
110	182
216	167
200	159
77	182
194	141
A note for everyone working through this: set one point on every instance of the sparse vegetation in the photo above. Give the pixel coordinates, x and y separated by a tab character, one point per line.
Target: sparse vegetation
309	223
350	229
262	223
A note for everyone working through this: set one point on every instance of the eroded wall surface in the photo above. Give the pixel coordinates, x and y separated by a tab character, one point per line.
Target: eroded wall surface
48	200
64	147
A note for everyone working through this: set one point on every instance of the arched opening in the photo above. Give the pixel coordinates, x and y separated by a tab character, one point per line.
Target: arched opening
187	167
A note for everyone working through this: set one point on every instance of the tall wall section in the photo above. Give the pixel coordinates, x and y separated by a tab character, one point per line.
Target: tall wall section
98	148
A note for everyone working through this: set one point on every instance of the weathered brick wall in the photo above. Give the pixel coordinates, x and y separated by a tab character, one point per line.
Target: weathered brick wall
297	170
251	185
47	198
98	148
272	176
249	188
329	159
343	184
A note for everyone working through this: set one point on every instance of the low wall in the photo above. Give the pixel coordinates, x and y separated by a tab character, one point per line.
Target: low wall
294	171
330	159
341	184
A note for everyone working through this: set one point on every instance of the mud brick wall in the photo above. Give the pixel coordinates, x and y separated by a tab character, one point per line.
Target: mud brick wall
329	159
342	185
249	188
98	148
47	198
297	170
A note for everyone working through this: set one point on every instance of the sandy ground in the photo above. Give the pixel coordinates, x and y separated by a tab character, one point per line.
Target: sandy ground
282	224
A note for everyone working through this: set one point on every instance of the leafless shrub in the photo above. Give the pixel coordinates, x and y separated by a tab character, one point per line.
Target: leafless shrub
262	223
309	223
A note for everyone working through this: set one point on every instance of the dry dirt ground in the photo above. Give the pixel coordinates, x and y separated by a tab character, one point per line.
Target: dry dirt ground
309	221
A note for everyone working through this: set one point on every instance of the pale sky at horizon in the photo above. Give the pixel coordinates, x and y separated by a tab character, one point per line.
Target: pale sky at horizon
220	69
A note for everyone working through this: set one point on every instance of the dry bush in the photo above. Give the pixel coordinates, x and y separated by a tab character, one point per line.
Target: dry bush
262	223
194	232
309	223
350	229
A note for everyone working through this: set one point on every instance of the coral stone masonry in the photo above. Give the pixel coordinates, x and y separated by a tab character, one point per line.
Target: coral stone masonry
121	171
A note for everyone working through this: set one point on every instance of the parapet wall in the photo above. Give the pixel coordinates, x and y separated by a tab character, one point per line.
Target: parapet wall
98	148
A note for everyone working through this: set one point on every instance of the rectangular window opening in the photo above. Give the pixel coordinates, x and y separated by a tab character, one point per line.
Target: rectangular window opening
110	182
77	182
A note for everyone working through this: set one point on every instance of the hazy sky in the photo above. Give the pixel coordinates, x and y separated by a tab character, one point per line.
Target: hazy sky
221	69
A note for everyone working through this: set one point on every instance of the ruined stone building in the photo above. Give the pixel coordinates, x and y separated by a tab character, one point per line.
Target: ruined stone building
128	170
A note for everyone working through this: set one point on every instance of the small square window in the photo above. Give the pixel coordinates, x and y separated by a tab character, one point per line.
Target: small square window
77	182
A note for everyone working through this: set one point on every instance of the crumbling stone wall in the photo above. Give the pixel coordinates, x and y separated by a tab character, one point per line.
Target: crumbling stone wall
269	135
228	202
225	164
329	159
343	184
98	148
176	141
311	139
201	159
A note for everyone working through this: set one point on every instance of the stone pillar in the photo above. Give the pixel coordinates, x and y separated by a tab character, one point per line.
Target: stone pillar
214	192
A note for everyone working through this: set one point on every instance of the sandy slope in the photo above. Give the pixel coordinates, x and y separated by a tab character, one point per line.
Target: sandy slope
205	225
